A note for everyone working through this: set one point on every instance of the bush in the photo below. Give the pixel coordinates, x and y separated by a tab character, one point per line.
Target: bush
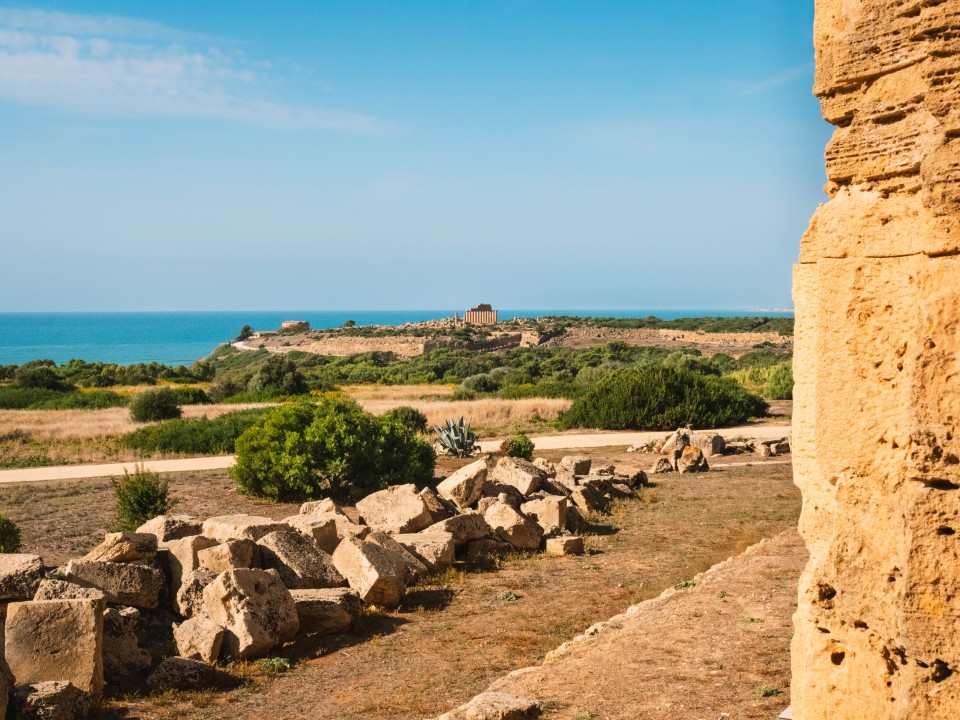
411	418
9	535
141	496
191	396
654	397
779	385
481	383
301	452
40	374
154	404
278	375
194	437
519	446
93	400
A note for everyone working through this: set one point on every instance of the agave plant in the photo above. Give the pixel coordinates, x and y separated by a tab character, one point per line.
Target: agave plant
456	438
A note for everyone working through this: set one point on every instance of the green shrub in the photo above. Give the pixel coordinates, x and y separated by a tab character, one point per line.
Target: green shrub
154	404
40	374
655	397
9	535
199	436
481	383
280	375
519	446
414	420
779	384
190	396
141	496
18	398
333	449
92	400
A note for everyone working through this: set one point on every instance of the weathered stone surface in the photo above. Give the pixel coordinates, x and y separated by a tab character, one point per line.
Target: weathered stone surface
710	443
189	598
181	556
298	560
575	464
51	700
548	467
371	570
328	611
550	513
122	583
322	528
485	547
254	608
588	499
577	520
518	473
124	547
56	640
6	681
495	706
20	575
63	590
240	527
171	527
465	527
411	566
398	509
464	487
199	638
434	548
564	545
662	465
674	443
692	460
321	507
179	673
875	443
228	555
439	508
518	530
122	655
632	476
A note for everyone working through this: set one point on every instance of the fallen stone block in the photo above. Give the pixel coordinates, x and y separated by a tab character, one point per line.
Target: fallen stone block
177	673
662	465
588	499
228	555
412	567
254	608
565	479
124	547
199	638
298	560
123	583
240	527
675	442
548	467
484	547
122	655
321	528
398	509
189	598
552	486
346	528
20	576
565	545
495	706
181	556
171	527
505	493
576	464
518	473
763	450
518	530
56	640
464	487
709	443
692	461
464	528
780	448
577	520
434	548
550	513
632	476
620	491
63	590
439	508
6	681
51	700
371	571
328	611
321	507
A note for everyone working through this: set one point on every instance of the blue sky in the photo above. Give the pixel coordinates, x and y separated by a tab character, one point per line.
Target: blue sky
360	154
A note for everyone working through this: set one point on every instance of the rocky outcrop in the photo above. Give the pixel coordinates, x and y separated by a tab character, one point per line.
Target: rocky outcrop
878	353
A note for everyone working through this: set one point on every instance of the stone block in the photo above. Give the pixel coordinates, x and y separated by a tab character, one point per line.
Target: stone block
709	443
434	548
240	527
177	673
398	509
298	560
439	508
171	527
124	547
550	513
662	465
464	528
199	638
254	608
228	555
692	460
632	476
182	557
321	528
411	566
518	473
56	640
576	464
189	598
549	468
63	590
328	611
495	706
371	570
20	576
564	545
51	700
465	486
321	507
122	655
509	524
122	583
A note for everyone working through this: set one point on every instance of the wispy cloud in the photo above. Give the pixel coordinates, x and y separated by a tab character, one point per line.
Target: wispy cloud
116	66
758	87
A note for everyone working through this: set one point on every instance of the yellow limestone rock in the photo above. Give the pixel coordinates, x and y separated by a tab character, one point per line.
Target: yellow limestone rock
877	368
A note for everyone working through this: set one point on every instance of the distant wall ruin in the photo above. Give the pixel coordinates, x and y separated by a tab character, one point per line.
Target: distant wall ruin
877	293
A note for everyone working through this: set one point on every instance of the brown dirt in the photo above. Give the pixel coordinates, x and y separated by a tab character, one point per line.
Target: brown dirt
455	636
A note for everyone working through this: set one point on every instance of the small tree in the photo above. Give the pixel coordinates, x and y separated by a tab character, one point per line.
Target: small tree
245	332
350	323
141	496
155	404
279	375
9	535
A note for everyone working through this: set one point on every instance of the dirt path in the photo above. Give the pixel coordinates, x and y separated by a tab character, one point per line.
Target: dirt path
547	442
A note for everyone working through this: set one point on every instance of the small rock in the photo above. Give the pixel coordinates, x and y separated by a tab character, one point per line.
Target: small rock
20	576
240	527
565	545
327	611
51	700
398	509
464	487
171	527
124	547
177	673
576	464
228	555
199	638
662	465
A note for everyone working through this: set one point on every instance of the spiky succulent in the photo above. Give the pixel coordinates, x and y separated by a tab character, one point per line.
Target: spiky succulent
456	438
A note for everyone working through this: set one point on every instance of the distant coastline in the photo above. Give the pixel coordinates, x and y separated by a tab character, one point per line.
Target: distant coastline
180	338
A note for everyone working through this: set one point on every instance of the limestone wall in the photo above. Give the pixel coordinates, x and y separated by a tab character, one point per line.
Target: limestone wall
876	448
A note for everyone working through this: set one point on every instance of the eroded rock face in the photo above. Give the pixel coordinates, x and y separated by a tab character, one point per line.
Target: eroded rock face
877	295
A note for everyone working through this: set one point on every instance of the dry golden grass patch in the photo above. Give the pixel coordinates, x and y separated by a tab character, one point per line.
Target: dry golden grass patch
363	393
489	416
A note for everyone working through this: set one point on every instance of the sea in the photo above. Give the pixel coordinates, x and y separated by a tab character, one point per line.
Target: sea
180	338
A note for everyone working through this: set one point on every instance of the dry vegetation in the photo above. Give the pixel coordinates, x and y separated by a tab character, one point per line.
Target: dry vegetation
457	633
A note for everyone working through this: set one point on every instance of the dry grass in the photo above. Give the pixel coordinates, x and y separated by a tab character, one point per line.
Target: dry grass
362	393
489	416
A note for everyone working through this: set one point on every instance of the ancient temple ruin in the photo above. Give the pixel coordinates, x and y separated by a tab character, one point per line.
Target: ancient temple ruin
877	292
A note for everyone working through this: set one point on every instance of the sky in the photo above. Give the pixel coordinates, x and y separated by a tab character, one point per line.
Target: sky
364	154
